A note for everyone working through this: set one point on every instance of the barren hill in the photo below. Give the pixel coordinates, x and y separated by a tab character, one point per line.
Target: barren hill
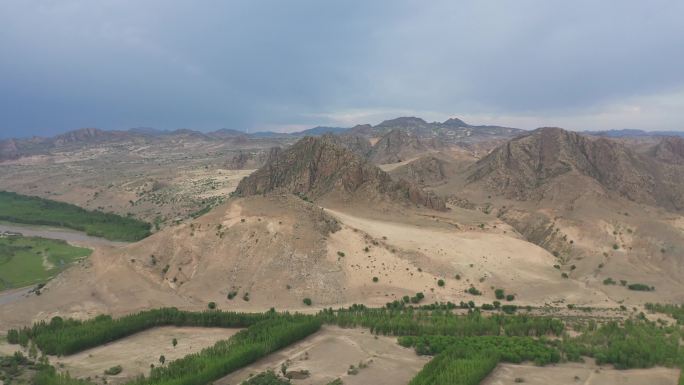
527	168
317	167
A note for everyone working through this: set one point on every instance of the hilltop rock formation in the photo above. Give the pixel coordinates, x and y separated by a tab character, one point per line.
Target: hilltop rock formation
317	167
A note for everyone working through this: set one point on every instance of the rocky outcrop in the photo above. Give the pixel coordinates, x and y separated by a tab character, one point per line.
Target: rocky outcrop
318	167
250	160
354	143
427	170
396	146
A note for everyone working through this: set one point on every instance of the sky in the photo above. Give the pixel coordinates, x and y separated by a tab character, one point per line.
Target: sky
278	65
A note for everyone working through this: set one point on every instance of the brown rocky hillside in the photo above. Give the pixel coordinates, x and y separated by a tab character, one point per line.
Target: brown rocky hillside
317	167
526	168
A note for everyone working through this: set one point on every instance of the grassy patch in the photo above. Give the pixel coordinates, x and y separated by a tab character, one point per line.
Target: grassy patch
27	261
38	211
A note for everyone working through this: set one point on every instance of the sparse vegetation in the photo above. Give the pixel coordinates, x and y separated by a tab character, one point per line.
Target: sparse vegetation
307	301
266	378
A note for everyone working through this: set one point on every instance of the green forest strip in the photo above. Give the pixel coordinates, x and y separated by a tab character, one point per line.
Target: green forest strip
38	211
28	261
466	348
210	364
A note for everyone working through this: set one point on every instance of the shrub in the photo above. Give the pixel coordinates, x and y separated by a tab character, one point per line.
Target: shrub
499	293
609	281
510	297
615	246
340	253
114	370
440	283
211	305
307	301
564	275
375	279
472	290
509	308
640	287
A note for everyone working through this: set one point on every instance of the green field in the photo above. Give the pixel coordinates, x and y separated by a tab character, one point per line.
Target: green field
38	211
27	261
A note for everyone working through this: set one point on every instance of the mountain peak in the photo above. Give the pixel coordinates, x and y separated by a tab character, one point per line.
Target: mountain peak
403	122
315	167
528	166
455	122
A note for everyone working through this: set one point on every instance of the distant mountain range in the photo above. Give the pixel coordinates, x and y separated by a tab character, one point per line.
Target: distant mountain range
627	133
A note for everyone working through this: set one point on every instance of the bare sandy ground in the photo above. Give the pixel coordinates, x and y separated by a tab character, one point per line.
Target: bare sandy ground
484	259
329	353
585	374
137	352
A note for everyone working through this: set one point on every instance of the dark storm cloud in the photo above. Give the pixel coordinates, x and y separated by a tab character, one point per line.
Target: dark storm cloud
253	64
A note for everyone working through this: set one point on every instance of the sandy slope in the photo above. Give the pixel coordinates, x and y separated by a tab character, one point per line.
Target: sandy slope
504	261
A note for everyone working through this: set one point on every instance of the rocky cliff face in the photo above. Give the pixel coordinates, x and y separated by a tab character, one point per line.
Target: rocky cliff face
249	160
396	146
522	167
354	143
426	170
318	167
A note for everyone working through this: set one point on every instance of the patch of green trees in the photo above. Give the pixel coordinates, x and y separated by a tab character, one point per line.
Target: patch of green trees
38	211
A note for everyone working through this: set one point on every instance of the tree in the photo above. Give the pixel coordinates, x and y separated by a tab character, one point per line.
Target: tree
162	359
440	283
307	301
211	305
174	342
33	352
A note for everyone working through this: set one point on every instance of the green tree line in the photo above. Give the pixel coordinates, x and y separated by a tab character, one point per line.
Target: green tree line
224	357
38	211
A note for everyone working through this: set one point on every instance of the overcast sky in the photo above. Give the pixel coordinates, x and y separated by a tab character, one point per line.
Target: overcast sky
284	65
